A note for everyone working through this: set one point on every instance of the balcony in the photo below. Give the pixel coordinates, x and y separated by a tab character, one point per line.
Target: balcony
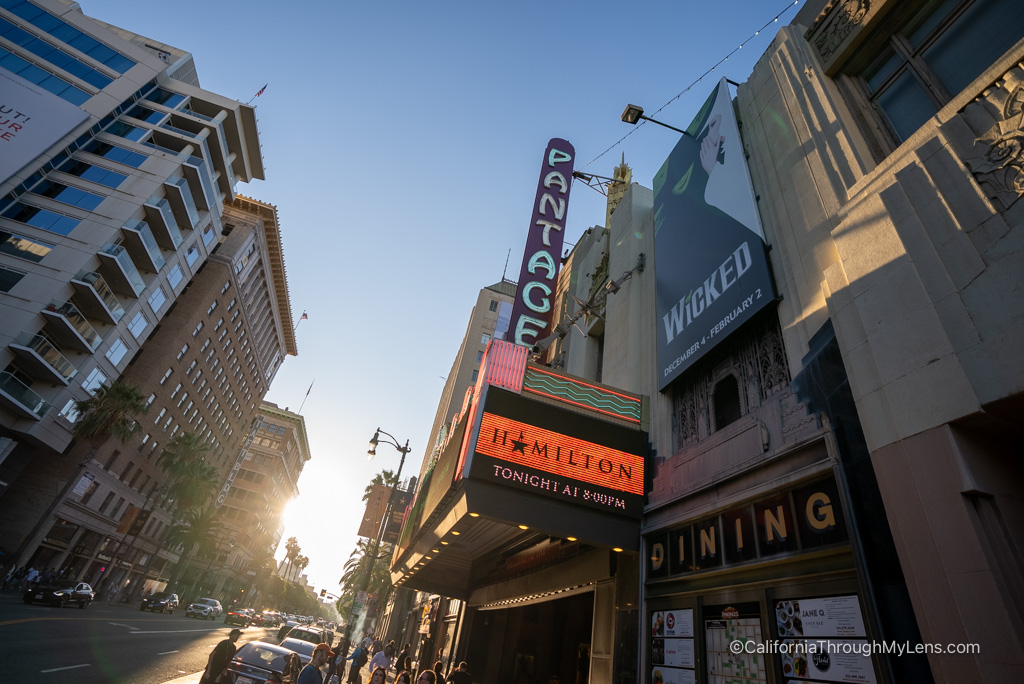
42	360
161	218
69	328
17	397
182	203
142	246
199	179
96	298
119	269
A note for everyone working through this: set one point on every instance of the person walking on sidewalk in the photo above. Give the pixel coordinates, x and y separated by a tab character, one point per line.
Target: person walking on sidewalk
220	657
461	675
311	673
381	660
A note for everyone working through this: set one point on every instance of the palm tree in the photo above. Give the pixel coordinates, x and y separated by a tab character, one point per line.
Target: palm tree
292	551
192	479
198	531
387	478
110	412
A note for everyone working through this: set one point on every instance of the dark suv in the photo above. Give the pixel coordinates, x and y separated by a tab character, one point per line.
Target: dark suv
163	601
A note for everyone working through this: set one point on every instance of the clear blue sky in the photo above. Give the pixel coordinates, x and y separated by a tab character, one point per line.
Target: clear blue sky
402	142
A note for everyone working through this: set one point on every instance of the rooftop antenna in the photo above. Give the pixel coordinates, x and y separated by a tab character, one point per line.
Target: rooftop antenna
506	263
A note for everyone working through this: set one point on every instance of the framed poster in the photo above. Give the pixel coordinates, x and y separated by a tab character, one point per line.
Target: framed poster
673	656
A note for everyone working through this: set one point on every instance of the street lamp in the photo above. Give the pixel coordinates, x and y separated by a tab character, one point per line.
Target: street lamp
633	113
374	441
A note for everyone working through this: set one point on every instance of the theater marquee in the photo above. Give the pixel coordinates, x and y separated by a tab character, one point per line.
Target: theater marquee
558	454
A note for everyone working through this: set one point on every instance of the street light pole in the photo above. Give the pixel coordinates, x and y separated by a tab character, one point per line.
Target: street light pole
374	441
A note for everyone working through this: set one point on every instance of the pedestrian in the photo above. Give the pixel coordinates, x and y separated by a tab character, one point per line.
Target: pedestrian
380	660
379	676
460	675
311	673
403	677
220	657
404	661
438	674
390	649
358	659
292	667
427	677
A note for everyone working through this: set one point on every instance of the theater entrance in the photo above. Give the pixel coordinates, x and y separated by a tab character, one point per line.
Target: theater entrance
541	643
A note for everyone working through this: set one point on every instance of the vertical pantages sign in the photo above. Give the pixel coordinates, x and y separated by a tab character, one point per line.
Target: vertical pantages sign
711	266
532	310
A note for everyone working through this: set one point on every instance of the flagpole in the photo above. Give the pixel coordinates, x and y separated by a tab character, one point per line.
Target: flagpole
258	93
306	397
301	318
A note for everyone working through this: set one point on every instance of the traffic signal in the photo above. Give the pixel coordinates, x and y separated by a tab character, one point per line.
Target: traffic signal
323	593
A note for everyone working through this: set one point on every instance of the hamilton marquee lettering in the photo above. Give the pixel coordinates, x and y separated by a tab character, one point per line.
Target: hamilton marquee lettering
532	310
564	457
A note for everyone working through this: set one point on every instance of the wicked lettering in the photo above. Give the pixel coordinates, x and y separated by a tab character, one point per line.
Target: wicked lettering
699	300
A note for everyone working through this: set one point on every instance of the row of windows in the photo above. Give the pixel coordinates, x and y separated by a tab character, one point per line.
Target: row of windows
54	56
68	34
51	82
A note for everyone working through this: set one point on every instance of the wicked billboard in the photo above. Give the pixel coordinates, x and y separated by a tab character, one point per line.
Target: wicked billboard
712	269
559	454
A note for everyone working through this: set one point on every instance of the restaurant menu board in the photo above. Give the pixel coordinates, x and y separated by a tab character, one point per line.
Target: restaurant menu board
826	638
726	667
672	649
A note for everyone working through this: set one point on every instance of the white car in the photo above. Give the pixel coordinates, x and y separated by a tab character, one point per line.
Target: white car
207	608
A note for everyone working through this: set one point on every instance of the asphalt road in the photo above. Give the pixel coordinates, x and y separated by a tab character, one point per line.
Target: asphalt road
106	643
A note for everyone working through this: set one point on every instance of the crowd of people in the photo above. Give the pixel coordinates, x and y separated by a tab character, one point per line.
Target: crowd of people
379	661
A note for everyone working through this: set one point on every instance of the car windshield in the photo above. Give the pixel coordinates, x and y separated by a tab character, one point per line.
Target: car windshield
262	655
205	602
160	596
306	635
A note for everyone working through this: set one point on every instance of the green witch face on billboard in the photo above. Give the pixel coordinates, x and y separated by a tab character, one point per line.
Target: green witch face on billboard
712	270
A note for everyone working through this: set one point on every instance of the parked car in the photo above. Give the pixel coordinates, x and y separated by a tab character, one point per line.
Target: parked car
256	661
164	601
303	648
60	593
285	628
310	634
240	616
207	608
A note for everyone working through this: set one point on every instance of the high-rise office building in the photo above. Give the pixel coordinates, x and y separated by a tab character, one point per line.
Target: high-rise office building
118	203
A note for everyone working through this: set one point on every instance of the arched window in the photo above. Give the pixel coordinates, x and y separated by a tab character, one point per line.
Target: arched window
727	401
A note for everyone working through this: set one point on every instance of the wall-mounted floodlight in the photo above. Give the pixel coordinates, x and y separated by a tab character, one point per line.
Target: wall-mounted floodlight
633	113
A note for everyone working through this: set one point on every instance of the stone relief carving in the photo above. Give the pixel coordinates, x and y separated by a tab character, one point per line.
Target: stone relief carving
835	24
759	365
997	159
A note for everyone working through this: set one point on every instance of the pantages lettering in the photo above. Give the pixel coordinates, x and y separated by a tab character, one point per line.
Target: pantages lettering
532	310
562	456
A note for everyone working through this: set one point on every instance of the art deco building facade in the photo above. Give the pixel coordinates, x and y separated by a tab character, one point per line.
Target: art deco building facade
126	252
838	467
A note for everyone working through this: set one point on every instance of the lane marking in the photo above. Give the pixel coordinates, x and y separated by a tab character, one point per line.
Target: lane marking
166	652
118	624
70	667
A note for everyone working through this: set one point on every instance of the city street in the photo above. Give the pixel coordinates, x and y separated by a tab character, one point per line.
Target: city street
106	643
